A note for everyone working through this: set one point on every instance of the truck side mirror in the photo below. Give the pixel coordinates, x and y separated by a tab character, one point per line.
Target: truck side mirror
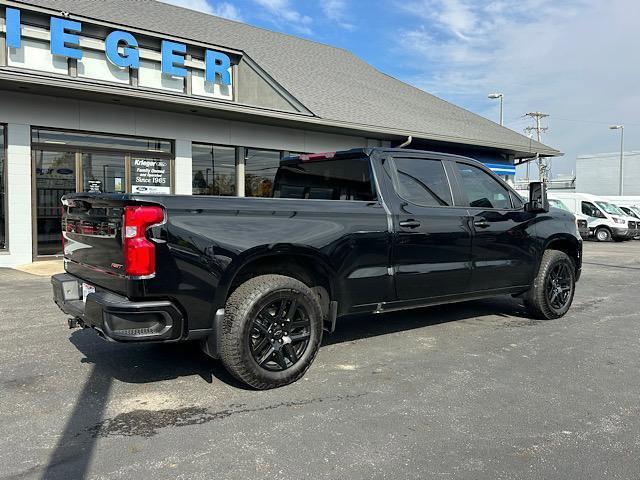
538	201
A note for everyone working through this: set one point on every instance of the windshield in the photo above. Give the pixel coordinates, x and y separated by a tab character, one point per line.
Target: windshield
610	208
631	211
558	204
636	210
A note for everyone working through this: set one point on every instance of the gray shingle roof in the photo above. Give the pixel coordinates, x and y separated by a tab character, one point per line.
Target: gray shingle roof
331	82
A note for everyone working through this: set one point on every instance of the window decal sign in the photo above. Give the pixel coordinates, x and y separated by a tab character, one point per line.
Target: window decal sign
149	175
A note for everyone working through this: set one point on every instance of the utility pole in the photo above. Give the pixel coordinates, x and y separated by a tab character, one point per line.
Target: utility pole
621	128
543	166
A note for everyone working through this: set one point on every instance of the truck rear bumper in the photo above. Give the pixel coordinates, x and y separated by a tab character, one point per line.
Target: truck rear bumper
116	317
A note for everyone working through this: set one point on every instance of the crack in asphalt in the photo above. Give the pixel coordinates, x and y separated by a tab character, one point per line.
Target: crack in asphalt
146	423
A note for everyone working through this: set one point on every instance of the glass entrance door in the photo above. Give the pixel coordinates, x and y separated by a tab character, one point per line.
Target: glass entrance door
55	176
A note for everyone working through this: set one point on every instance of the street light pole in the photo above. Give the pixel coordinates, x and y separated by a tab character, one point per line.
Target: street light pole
621	128
494	96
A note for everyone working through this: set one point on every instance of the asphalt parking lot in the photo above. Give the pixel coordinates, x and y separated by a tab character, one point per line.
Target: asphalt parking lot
471	391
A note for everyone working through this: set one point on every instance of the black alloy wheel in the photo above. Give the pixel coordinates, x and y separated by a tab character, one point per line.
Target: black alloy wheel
271	332
559	286
552	291
280	333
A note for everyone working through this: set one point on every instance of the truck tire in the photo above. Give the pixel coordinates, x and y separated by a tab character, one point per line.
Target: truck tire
553	288
271	331
603	234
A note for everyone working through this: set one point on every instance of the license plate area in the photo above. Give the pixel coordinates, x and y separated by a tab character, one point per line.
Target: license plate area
86	290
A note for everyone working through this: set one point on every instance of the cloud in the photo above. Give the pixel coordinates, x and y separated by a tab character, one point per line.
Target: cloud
336	11
220	9
284	13
227	10
572	59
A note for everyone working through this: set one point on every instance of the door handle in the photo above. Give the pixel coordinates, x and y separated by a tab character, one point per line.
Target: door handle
481	223
410	224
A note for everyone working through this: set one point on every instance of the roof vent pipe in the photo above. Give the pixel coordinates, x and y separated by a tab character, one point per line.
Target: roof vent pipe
406	142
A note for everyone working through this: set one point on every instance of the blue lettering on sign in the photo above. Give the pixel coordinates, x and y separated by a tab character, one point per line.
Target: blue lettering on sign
65	42
217	65
130	56
60	38
173	58
13	28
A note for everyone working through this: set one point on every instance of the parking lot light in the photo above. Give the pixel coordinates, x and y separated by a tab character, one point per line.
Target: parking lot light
494	96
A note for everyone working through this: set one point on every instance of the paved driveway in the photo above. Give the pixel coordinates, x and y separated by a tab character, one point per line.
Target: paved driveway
471	391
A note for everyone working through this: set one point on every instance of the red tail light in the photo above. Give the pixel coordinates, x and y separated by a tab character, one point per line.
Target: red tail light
140	252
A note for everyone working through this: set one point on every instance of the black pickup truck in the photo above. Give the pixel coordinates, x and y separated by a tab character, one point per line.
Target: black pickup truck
257	280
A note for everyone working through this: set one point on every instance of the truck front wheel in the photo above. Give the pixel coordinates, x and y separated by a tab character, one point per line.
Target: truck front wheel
271	331
553	288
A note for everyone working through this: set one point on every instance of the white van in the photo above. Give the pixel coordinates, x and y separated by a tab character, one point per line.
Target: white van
606	221
582	221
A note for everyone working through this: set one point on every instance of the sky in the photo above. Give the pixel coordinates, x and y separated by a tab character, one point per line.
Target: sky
576	60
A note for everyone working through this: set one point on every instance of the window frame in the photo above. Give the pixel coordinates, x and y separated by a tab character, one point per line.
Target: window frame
463	194
245	158
5	182
235	169
396	179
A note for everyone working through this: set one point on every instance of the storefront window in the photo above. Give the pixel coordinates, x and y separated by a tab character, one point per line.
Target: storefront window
100	141
103	173
3	223
260	171
214	170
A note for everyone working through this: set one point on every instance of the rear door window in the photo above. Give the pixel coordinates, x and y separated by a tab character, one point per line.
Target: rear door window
423	182
481	189
330	179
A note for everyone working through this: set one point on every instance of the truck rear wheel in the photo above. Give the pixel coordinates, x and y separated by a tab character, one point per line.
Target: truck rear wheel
553	288
271	331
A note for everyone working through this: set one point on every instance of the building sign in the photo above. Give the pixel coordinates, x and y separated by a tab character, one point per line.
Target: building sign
501	168
122	52
150	175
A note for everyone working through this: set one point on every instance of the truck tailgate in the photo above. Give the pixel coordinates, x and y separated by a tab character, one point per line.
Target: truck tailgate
93	239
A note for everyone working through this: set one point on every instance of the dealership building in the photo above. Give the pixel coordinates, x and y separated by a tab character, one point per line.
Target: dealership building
120	96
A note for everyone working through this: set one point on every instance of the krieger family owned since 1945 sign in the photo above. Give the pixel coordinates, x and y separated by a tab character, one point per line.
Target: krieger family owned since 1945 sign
150	176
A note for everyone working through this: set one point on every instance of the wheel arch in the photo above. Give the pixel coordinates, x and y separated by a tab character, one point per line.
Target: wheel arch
567	244
306	264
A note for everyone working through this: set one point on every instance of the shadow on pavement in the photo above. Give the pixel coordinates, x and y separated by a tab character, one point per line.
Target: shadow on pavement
130	363
72	454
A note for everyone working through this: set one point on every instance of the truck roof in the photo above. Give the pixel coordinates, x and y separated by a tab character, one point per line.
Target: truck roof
367	152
